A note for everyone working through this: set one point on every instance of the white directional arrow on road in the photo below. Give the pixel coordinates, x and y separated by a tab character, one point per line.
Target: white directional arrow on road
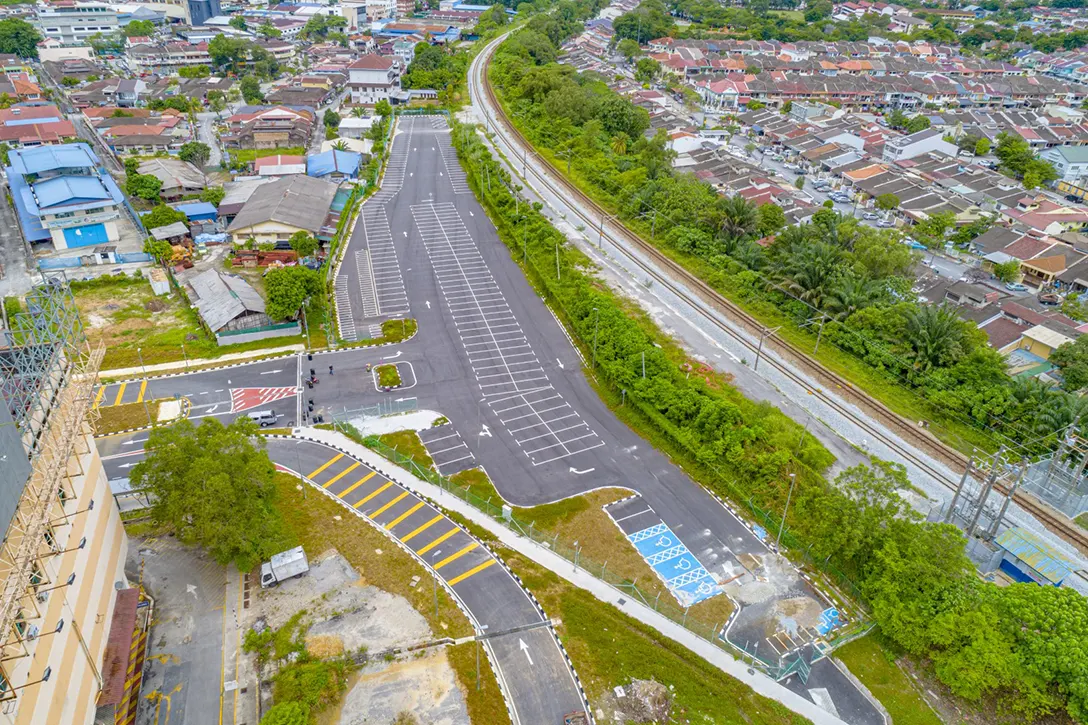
525	648
576	472
428	304
270	372
485	432
128	465
560	363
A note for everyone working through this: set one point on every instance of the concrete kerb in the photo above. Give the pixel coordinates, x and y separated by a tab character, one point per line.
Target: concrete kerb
503	687
759	682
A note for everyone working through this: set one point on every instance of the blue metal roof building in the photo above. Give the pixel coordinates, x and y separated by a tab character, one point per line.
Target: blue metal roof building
48	183
198	211
334	162
1030	559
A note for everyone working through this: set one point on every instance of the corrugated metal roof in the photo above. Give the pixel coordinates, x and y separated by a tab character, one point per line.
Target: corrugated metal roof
221	299
177	229
50	158
1037	554
70	190
296	201
333	160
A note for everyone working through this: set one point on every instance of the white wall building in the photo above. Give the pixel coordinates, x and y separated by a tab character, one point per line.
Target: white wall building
372	78
1071	162
916	144
73	24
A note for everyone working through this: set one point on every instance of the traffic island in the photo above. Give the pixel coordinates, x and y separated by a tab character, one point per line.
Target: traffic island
388	377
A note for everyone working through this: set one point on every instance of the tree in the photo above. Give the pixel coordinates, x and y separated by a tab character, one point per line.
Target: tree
887	202
1072	359
288	288
383	108
160	249
918	123
799	183
268	30
195	71
771	219
19	37
213	195
287	713
214	485
195	152
237	22
161	216
304	244
1038	173
319	26
982	147
1008	271
228	51
139	29
877	253
251	90
143	186
738	217
69	81
646	69
628	49
932	230
1013	152
331	118
818	10
937	336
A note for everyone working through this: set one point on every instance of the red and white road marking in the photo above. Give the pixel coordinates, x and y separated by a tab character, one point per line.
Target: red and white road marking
247	398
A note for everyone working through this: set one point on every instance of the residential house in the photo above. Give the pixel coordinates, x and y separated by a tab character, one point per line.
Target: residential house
334	164
179	178
277	210
1071	162
280	165
930	140
63	195
22	126
268	127
372	78
232	310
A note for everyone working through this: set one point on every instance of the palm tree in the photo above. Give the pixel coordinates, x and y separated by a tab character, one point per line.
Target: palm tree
341	145
619	143
810	272
739	217
937	335
850	293
358	112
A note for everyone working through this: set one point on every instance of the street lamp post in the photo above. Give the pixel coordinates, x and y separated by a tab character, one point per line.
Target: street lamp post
184	354
782	525
143	399
435	572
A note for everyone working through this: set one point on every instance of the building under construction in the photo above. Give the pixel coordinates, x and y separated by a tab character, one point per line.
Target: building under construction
62	581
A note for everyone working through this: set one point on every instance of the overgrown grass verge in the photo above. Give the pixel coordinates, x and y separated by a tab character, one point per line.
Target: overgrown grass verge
388	376
608	648
126	416
408	443
318	523
870	663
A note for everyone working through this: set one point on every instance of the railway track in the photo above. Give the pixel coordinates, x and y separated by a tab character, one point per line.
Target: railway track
923	447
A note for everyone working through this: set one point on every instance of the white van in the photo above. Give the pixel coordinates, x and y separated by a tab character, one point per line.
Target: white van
264	418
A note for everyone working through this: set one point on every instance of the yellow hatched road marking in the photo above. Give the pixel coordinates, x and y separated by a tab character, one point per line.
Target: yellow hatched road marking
328	463
455	556
99	395
439	540
358	483
340	475
404	515
470	572
120	393
367	498
143	387
389	505
423	528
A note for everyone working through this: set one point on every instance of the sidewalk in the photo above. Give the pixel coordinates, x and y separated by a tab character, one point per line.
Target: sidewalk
580	578
180	366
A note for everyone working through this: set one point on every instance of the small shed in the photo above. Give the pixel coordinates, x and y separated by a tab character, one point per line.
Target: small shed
1029	559
175	231
334	164
198	211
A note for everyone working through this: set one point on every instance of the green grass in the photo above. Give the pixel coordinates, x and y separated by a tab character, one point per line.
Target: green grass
609	648
388	376
247	155
407	443
1082	521
795	15
124	417
865	658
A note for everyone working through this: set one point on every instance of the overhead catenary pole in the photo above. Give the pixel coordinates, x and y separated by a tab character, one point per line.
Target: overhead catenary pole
994	470
1008	499
782	525
959	489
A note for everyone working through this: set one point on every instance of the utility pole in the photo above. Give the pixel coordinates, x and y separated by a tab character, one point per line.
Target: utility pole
558	276
782	525
959	489
1005	504
600	232
763	333
596	324
819	335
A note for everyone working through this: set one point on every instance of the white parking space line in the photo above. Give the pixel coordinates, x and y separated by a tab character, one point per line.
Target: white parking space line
507	371
343	308
389	291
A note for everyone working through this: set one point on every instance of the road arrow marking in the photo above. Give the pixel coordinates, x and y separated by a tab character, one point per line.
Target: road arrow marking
127	465
576	472
524	648
213	409
270	372
428	304
485	432
560	363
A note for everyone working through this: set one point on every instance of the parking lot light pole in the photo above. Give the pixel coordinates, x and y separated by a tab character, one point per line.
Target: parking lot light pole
435	572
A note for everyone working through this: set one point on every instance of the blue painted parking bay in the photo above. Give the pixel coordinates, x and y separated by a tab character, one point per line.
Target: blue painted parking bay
686	578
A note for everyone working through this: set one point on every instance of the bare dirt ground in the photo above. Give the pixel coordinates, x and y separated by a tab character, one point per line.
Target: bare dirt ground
348	615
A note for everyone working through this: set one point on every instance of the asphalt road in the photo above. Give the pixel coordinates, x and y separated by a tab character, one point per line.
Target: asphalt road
492	358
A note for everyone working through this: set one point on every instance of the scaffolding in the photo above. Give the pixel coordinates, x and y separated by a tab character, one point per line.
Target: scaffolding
47	376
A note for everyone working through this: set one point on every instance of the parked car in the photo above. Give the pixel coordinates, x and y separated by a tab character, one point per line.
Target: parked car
1049	299
1016	287
885	224
791	167
870	215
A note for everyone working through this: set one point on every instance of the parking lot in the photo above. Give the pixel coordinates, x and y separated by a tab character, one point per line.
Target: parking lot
447	449
513	382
